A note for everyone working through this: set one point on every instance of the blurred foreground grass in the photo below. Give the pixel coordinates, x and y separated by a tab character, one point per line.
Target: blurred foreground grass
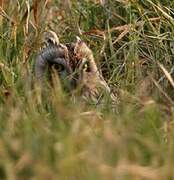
56	138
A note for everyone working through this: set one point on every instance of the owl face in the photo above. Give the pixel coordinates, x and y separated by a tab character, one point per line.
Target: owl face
73	63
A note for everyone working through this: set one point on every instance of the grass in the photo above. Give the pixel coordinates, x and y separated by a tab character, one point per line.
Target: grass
53	137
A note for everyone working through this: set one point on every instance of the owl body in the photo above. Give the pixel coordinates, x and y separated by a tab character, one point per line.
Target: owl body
74	63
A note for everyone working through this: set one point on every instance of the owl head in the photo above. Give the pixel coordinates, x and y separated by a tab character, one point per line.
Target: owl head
74	65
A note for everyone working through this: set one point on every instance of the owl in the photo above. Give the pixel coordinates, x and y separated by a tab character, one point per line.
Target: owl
75	67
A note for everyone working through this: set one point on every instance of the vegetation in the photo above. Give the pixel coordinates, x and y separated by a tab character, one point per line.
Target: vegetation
56	138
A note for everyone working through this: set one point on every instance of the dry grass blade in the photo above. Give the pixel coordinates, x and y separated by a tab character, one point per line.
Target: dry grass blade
161	90
35	12
1	5
5	15
96	33
170	18
27	18
121	35
138	171
137	24
163	77
167	74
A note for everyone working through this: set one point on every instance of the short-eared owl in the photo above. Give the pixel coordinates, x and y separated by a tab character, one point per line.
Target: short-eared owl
74	63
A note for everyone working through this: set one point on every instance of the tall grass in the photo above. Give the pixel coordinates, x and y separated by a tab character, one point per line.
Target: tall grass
53	137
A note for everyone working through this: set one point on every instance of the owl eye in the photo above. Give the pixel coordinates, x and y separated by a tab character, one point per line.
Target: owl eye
58	67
